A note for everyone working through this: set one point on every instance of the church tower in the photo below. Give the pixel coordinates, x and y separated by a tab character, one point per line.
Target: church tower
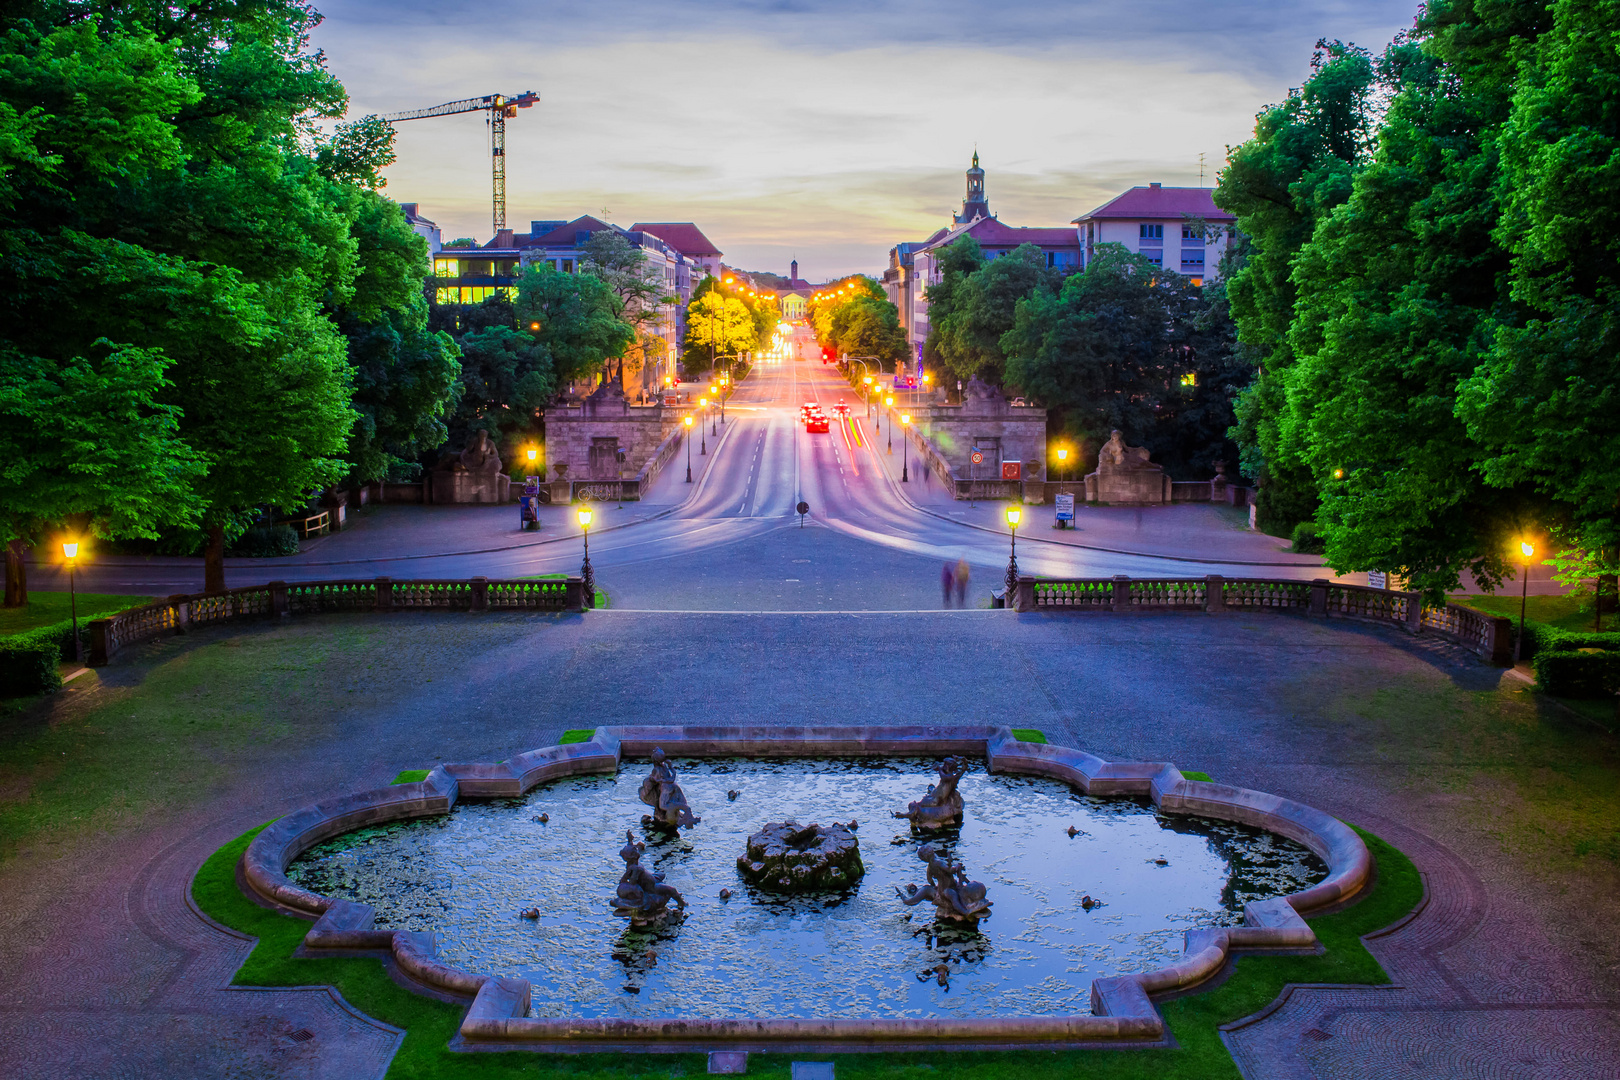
975	205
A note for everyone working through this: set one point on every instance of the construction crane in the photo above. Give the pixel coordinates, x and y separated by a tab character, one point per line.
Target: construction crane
499	107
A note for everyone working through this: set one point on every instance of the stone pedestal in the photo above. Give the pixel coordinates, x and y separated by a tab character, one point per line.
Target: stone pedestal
1125	476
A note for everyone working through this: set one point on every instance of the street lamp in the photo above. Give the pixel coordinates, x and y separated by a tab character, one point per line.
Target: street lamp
888	404
905	449
868	395
1063	457
688	420
70	551
585	570
1014	515
1528	550
704	404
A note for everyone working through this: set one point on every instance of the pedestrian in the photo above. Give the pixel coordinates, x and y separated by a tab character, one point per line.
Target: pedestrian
961	582
946	580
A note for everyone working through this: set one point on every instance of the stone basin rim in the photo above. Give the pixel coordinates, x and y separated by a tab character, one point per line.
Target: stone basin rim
1122	1006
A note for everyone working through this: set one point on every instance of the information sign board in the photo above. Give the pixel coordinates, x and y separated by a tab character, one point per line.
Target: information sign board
1065	507
1378	579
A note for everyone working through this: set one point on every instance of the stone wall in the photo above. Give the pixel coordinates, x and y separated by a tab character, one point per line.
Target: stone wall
1004	431
586	444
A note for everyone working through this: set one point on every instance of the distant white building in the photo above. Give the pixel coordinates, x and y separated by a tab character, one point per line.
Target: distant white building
1153	221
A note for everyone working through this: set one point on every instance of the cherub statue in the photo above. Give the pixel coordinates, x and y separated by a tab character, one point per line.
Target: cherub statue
954	896
660	791
642	896
942	805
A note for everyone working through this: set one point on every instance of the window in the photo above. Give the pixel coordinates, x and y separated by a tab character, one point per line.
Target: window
1150	235
1192	260
1188	232
1154	256
446	268
1189	379
568	266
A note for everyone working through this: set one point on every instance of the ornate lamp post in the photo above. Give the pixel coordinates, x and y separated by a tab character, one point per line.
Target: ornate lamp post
905	449
888	405
703	403
724	382
70	551
688	421
1014	515
585	569
1063	457
1527	549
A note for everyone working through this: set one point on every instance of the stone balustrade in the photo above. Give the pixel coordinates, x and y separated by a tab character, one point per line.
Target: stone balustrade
1490	636
180	612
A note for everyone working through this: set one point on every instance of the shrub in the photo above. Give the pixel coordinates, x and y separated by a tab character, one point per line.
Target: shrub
1539	637
28	662
1570	674
266	542
1307	541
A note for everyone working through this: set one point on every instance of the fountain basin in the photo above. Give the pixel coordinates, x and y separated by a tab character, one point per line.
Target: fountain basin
1121	1009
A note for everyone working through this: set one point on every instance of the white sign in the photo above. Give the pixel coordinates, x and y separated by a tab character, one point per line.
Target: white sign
1378	579
1065	507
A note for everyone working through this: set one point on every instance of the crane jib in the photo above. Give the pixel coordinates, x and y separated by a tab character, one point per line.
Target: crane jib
500	107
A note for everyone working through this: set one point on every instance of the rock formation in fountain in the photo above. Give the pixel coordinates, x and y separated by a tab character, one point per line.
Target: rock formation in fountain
785	857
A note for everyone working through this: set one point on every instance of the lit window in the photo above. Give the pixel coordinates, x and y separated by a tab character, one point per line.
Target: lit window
568	266
1189	379
446	268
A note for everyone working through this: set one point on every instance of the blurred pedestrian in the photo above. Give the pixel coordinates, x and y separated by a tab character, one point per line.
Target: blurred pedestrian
946	579
961	582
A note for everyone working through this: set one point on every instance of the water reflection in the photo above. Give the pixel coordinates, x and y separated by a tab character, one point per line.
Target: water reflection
468	875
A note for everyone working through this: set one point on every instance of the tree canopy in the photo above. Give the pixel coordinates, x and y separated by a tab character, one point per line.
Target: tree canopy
974	305
857	319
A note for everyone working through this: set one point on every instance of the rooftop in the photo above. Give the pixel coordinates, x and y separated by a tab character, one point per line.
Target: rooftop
683	236
1157	201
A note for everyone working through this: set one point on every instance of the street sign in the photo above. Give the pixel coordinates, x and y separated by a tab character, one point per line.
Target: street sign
1012	470
1065	507
978	457
1378	579
803	508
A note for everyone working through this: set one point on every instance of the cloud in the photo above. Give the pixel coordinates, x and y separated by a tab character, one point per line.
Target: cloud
832	130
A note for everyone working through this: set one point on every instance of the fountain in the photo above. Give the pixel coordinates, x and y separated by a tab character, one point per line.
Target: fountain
782	857
954	896
942	805
642	897
664	795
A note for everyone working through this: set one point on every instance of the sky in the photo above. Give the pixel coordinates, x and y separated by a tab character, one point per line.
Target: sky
830	131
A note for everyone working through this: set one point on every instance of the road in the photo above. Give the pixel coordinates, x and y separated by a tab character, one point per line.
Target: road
760	463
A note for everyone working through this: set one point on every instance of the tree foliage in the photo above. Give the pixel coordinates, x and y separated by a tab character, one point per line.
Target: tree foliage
644	297
975	304
857	319
1126	345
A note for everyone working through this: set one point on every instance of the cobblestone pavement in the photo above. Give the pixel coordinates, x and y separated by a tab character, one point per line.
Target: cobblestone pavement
106	971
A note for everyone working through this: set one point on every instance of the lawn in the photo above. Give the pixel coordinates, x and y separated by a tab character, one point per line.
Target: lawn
45	608
1564	612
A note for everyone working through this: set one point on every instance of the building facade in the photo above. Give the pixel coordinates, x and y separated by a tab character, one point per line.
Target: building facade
1179	228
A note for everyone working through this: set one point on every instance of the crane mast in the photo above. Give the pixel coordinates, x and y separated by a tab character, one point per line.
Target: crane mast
500	107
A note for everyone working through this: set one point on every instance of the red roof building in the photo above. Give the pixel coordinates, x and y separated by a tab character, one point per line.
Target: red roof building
1178	227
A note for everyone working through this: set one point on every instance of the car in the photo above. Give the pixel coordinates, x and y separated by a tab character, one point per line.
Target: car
816	423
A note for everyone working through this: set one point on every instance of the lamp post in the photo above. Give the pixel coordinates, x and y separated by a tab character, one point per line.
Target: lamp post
1014	515
1524	596
703	403
688	421
70	551
1063	457
529	513
905	449
888	405
585	569
867	394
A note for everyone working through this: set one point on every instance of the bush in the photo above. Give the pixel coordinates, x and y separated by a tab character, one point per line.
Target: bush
266	542
1307	541
28	662
1570	674
1539	638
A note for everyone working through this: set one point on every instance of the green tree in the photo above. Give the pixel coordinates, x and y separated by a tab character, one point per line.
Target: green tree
1280	184
1125	345
507	377
719	325
574	318
981	306
644	297
960	260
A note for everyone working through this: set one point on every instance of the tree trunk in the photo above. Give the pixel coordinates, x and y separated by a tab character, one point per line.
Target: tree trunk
16	575
214	560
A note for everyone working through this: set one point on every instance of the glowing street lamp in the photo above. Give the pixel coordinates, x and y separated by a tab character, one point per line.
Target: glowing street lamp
905	449
70	552
1526	549
888	403
1014	516
585	516
688	422
1063	457
704	402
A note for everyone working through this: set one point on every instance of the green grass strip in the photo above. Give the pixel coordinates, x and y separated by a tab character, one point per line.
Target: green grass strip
576	735
1195	1020
1029	734
1191	775
411	776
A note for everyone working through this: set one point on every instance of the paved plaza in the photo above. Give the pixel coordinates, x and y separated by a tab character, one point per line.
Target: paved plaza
1508	970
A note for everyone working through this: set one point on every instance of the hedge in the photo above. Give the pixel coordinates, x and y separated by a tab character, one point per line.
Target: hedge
1307	541
1570	674
1539	637
28	662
